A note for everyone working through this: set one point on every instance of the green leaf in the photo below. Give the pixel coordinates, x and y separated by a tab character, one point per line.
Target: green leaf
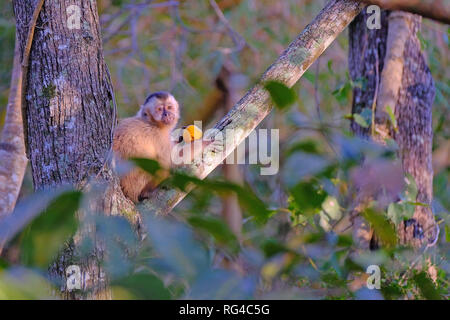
272	247
140	286
447	233
342	93
360	120
344	240
330	66
411	188
149	165
308	197
217	229
392	117
309	76
222	285
332	208
3	264
408	210
117	3
395	213
281	95
348	116
423	42
382	227
247	198
46	235
426	286
331	211
175	244
307	146
366	113
255	206
391	291
296	215
19	283
360	83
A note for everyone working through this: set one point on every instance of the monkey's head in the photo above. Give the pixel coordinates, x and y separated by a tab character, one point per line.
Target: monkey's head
161	109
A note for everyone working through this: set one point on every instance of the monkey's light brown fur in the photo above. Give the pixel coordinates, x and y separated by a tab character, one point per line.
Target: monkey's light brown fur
146	135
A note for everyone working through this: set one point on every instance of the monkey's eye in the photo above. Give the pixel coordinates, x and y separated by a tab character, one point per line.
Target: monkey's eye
159	109
169	107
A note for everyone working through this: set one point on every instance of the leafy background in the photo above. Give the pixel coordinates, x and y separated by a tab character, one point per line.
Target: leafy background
289	247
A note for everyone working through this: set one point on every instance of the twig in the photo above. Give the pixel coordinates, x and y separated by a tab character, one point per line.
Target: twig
136	10
374	103
186	27
316	90
238	40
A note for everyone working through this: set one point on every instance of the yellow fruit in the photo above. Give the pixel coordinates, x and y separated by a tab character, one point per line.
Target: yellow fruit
191	133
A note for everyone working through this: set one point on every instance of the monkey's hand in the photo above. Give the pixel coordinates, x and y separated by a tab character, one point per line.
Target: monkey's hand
187	153
145	193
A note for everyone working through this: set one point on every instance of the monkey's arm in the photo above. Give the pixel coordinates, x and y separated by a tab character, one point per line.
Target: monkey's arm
132	139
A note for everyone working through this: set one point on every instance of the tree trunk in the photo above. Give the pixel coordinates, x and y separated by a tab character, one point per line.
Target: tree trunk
69	117
397	75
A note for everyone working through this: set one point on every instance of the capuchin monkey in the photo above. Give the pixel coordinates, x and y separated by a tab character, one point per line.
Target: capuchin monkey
146	135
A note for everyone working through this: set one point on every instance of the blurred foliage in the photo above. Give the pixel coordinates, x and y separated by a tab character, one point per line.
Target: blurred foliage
290	246
44	237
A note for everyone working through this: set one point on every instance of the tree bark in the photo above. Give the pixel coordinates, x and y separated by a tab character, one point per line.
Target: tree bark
68	99
69	119
256	104
396	74
13	161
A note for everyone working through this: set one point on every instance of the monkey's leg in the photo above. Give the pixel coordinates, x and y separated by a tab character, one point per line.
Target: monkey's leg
133	183
152	183
145	194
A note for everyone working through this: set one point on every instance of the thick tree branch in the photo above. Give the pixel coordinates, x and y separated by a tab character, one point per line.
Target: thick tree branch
256	104
438	10
13	161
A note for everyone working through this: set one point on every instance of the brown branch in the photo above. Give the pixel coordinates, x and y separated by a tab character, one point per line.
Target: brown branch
392	74
13	161
238	40
438	10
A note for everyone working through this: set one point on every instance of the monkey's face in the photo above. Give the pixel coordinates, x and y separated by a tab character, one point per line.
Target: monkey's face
161	109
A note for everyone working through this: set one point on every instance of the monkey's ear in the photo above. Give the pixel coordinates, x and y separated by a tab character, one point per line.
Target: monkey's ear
139	113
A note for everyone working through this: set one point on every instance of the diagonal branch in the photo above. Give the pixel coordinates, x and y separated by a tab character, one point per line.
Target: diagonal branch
438	10
13	161
256	104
